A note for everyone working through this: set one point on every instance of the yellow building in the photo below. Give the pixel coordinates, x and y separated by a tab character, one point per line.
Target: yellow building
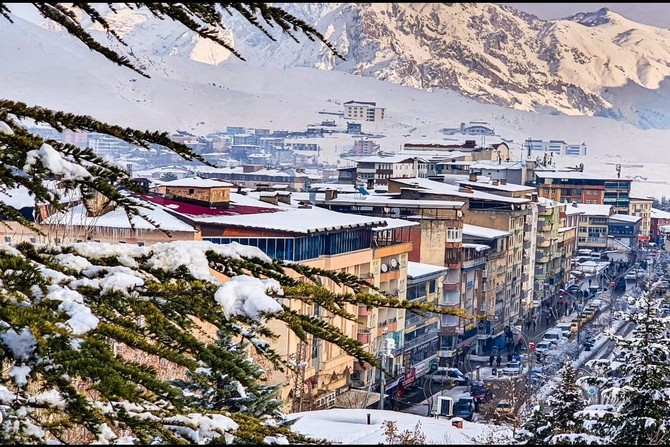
641	207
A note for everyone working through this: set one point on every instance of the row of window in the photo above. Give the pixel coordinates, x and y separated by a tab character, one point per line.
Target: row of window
307	247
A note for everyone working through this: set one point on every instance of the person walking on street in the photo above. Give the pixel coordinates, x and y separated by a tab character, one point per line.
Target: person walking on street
491	360
498	361
534	324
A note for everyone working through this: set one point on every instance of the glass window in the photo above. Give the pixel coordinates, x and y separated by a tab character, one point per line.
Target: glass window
432	285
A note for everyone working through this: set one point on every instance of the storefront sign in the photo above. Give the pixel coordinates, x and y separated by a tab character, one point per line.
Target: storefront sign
410	376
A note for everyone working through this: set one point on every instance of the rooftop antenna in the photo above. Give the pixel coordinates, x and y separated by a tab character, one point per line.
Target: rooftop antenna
618	170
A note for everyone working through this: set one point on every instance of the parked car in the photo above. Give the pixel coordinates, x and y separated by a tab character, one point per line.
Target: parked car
554	335
512	369
464	408
504	411
543	346
448	375
565	328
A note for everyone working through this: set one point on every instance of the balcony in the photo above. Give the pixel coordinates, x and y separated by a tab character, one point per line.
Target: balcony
363	311
500	288
391	325
451	287
419	340
364	337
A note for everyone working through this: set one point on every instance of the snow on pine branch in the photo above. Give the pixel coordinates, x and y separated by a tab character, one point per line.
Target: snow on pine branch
54	162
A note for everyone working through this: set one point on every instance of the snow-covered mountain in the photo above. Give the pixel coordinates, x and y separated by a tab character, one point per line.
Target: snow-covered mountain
598	64
201	88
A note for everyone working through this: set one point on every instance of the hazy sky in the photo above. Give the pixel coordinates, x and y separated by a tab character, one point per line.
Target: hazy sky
656	14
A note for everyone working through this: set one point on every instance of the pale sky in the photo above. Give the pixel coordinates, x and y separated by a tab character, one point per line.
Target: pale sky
656	14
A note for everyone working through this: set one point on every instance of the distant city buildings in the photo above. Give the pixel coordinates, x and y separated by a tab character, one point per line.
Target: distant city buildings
555	146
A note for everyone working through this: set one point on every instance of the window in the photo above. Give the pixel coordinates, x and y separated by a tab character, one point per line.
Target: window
191	190
454	234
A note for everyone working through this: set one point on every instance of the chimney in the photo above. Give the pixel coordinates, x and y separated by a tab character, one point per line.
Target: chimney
267	198
284	198
503	181
533	197
494	182
574	204
331	194
472	177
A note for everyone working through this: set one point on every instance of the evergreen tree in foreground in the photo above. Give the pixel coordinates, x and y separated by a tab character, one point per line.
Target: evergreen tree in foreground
559	419
118	343
640	390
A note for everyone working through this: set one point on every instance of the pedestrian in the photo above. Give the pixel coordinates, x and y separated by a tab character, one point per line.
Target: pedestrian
527	324
498	361
534	324
509	357
491	360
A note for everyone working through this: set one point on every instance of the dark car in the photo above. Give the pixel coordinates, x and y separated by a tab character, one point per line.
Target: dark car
480	392
464	409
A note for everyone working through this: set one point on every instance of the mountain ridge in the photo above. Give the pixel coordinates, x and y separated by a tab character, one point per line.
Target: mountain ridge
54	70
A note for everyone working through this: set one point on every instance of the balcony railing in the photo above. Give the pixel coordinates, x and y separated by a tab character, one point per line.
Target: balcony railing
451	287
363	311
419	340
364	337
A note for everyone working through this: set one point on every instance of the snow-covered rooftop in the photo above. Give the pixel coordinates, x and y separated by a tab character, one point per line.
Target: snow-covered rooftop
659	214
590	209
431	186
392	223
197	182
418	269
483	232
510	187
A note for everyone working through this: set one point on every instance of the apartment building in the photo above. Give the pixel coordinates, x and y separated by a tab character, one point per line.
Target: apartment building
592	228
363	111
641	207
490	307
486	210
424	284
581	187
659	218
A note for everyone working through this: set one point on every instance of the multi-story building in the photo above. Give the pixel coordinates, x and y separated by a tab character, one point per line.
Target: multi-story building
625	230
592	229
581	187
255	176
641	207
490	308
364	111
550	255
528	195
659	218
555	146
317	238
388	272
483	209
424	284
376	170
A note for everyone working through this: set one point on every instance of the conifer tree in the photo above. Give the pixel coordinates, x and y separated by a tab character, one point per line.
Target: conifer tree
640	389
536	429
559	419
109	343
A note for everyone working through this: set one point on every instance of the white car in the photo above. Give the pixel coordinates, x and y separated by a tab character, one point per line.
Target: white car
512	369
543	346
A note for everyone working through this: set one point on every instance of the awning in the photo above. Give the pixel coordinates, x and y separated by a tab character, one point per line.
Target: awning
483	336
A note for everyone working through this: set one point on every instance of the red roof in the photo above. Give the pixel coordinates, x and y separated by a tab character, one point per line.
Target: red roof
192	209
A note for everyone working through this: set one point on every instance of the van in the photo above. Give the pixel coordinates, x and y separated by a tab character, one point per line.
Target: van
565	328
554	335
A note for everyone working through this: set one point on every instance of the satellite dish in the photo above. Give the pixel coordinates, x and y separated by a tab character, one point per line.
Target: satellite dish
385	268
394	263
459	213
